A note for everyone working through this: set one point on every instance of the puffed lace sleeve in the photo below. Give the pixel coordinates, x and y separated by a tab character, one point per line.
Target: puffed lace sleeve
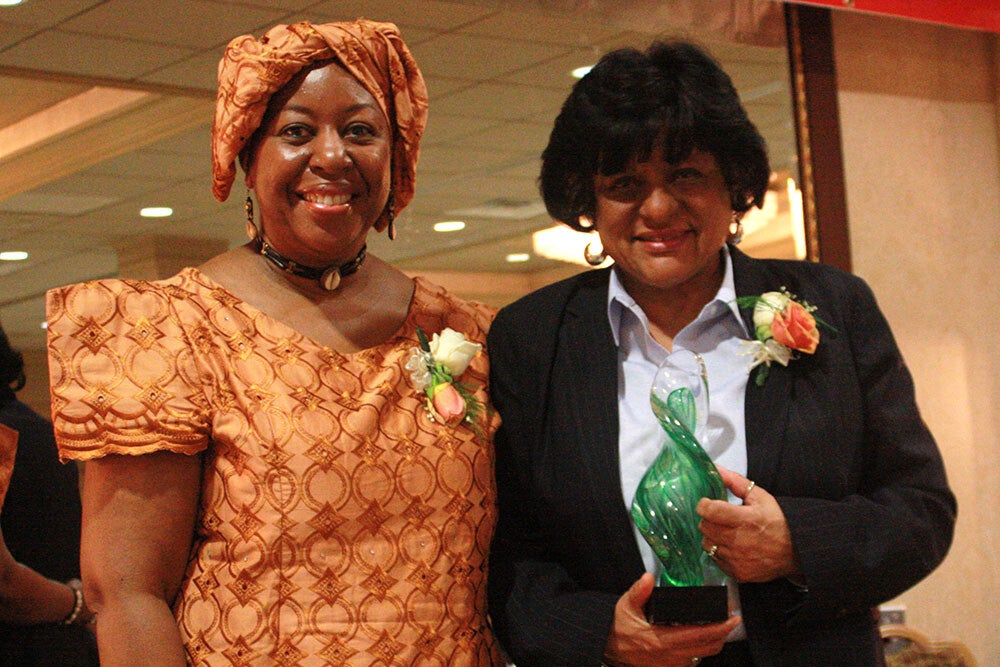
123	371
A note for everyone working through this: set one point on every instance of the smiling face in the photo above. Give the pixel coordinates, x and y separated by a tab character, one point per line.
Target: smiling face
321	167
664	224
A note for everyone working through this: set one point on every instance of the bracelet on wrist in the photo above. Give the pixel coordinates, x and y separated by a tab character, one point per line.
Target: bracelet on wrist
74	614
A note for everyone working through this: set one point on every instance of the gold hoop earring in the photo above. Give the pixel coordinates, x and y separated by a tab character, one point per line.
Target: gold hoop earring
736	229
594	258
251	227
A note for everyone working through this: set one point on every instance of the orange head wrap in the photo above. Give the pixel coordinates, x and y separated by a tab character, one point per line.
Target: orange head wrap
252	70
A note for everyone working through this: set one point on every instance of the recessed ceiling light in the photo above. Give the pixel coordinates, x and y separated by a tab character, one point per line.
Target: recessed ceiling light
13	255
518	257
449	226
156	212
581	72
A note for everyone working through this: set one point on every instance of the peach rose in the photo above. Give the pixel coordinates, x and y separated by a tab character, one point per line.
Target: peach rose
448	403
795	327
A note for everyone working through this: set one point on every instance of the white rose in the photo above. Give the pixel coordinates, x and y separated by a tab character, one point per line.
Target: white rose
453	351
763	312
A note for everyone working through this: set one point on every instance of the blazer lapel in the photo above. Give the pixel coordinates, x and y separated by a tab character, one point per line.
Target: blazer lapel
594	357
766	407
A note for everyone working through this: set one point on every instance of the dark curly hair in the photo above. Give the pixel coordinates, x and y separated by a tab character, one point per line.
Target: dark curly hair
11	364
674	93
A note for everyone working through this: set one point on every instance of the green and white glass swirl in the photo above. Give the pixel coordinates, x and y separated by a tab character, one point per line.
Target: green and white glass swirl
682	474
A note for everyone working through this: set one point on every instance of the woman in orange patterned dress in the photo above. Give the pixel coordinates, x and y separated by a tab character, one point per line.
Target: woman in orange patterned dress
278	471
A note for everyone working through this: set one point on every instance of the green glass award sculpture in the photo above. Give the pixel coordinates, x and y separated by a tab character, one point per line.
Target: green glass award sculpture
691	588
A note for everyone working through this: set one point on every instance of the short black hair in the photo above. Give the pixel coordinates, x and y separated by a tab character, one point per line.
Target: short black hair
11	364
673	93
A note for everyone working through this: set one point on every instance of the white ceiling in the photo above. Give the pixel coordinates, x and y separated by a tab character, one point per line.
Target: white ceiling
77	164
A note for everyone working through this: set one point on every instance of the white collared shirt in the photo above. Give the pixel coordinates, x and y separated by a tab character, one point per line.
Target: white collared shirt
715	335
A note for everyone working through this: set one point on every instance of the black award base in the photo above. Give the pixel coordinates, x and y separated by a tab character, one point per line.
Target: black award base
687	605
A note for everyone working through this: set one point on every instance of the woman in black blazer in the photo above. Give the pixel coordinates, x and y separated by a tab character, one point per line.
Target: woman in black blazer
849	504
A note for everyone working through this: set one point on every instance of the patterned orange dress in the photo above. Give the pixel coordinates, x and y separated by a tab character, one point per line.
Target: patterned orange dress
339	524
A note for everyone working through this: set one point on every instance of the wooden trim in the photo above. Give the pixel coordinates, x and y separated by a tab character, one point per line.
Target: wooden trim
817	131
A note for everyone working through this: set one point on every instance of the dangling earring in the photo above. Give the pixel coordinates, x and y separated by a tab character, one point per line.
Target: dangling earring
736	229
252	232
594	258
391	214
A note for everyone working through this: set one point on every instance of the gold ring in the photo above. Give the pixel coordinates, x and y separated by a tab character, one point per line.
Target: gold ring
695	661
711	552
749	488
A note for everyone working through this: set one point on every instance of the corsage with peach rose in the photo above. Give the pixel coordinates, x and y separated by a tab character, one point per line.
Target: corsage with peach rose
783	326
434	368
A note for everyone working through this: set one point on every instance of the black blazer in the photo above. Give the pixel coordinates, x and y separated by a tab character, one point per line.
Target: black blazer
835	436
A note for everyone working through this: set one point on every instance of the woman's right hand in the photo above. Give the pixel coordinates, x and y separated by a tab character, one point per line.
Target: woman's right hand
636	642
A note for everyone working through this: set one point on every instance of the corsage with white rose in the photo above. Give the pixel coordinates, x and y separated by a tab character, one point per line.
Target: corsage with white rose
434	368
783	326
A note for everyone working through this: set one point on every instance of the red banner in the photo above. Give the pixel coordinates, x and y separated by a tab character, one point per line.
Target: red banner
977	14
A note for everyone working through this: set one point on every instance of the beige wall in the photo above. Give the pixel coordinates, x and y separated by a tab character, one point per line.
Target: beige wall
919	114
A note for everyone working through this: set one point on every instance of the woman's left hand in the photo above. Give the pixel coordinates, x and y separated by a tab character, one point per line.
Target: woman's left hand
750	542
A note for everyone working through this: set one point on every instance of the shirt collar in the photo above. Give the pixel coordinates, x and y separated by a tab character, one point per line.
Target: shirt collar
619	299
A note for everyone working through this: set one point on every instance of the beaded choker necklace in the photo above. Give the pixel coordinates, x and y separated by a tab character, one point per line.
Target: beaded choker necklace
327	277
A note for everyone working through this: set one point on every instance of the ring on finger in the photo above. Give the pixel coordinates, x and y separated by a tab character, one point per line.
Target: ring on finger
711	554
695	661
749	488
